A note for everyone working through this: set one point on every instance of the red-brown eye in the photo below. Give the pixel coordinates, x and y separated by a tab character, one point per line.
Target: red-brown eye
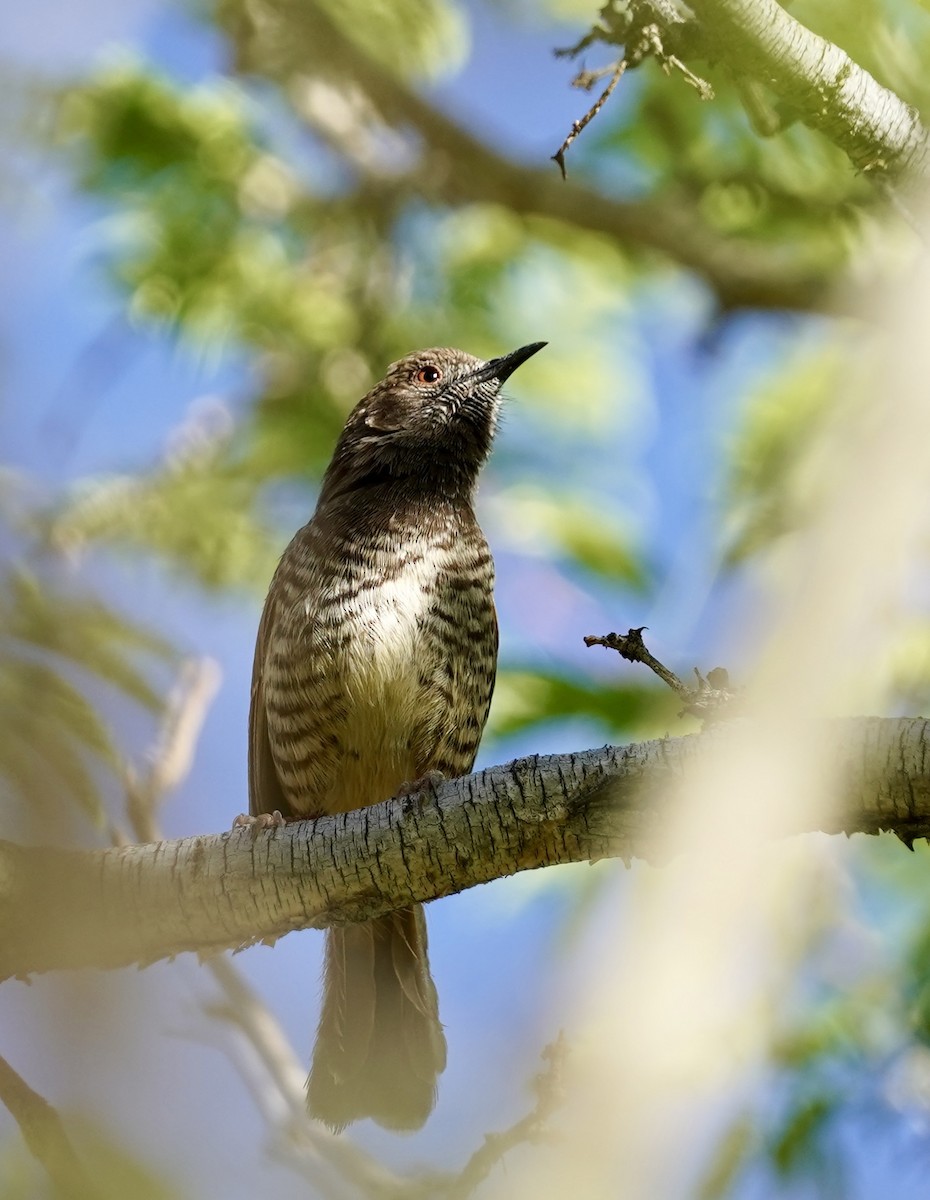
429	374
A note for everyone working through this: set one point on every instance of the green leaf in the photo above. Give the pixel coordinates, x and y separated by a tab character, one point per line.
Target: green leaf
555	522
729	1158
197	511
83	631
525	696
774	479
797	1146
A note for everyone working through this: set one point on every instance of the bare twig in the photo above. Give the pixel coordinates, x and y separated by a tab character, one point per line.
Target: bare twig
644	43
711	698
44	1133
170	759
577	126
531	1128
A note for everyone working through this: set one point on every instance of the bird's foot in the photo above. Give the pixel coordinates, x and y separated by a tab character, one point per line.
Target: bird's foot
419	792
272	820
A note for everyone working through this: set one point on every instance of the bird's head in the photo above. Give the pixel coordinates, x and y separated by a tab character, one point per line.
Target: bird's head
433	416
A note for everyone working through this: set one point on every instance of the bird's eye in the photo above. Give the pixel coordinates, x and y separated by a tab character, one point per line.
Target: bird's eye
429	374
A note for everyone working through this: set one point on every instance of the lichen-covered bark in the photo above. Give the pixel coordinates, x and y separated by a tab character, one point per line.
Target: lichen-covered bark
136	904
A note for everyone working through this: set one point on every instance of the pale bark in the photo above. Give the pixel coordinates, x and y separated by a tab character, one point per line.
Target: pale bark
136	904
875	127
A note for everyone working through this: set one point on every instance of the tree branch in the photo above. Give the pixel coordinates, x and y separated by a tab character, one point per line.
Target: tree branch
829	92
44	1134
136	904
290	39
710	699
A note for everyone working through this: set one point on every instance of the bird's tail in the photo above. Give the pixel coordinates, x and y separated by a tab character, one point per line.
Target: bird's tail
380	1047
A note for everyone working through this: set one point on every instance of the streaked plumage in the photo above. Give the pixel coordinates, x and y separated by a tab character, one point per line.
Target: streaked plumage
374	666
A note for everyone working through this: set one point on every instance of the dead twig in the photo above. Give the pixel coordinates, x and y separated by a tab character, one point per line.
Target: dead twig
710	700
640	42
577	126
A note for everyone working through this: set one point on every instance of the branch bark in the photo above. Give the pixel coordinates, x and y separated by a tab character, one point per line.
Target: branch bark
136	904
830	92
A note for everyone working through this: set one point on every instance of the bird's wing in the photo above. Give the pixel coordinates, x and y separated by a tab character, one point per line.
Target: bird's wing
265	793
465	684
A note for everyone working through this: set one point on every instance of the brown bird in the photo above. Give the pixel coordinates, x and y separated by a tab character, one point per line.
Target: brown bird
374	666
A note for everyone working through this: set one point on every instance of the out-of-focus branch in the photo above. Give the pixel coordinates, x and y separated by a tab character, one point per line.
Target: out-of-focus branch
44	1134
294	41
531	1128
172	756
135	904
333	1164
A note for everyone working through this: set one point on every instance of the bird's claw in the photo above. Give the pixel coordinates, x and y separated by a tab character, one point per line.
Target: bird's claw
418	792
272	820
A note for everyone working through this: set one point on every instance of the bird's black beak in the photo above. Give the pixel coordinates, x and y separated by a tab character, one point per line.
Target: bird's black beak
502	368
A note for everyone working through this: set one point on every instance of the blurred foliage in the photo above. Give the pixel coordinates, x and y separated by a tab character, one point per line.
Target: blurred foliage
113	1173
742	159
551	523
53	643
425	38
774	479
523	698
220	539
291	214
849	1051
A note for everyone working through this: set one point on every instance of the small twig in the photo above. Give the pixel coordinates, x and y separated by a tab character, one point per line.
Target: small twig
701	86
549	1095
651	28
585	79
595	34
711	699
44	1134
641	42
170	759
618	68
631	646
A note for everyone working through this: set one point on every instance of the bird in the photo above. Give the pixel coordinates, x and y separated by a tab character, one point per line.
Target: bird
374	666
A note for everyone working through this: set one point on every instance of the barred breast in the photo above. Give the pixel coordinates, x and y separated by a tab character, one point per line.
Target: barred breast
378	660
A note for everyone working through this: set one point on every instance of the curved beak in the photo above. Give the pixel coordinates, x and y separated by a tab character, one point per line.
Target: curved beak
502	368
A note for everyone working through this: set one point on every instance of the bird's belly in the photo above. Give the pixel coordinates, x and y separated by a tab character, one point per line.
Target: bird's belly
386	707
373	712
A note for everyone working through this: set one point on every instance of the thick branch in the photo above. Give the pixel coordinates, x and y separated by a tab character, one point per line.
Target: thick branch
829	92
136	904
